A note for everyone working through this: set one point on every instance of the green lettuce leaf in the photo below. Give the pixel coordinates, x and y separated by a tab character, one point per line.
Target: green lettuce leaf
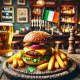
37	59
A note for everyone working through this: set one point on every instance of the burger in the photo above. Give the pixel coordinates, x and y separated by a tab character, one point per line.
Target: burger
37	47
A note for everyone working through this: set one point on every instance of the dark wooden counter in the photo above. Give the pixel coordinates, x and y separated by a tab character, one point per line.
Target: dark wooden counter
55	37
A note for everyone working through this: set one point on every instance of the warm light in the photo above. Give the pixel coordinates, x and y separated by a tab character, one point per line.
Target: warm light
40	2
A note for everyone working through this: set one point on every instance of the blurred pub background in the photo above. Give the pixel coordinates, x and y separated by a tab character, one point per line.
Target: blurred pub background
26	16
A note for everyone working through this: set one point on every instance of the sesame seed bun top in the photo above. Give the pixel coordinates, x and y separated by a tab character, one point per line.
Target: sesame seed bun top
37	36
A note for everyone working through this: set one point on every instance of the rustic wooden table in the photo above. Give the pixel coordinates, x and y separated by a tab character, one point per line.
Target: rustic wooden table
73	76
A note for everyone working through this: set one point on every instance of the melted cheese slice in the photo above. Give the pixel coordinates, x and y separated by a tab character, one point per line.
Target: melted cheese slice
25	49
41	51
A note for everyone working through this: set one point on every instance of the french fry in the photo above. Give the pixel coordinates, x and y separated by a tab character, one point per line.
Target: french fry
14	64
51	63
20	63
10	60
65	63
53	50
19	56
42	66
59	60
56	65
63	56
20	51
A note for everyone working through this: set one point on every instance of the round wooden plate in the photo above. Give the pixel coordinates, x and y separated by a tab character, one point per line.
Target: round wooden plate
21	74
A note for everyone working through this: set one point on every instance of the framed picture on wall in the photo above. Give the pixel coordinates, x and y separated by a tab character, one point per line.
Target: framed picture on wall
7	2
22	15
7	14
21	2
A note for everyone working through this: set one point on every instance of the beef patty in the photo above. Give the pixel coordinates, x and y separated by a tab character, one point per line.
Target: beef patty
35	53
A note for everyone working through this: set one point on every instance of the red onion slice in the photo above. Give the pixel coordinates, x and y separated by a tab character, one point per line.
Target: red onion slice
35	46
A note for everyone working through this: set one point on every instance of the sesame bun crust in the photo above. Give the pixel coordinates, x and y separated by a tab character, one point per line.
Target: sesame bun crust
37	36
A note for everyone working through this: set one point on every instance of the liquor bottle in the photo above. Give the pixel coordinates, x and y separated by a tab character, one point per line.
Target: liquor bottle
39	11
32	22
72	20
42	23
73	10
39	21
69	12
45	23
34	11
48	26
64	28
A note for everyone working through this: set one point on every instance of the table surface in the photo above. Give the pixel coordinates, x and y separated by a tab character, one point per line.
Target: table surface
73	76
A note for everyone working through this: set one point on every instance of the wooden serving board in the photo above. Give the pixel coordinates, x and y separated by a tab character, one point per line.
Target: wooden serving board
21	74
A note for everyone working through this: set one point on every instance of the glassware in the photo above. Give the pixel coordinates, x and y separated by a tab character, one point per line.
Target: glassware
6	35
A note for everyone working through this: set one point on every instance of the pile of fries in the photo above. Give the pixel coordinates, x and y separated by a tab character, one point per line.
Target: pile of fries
57	60
16	60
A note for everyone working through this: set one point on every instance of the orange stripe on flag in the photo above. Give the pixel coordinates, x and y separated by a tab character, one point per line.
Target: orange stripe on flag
55	17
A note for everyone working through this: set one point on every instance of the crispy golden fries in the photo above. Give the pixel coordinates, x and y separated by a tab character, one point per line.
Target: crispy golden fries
56	65
53	50
20	63
42	66
51	63
19	55
16	60
10	60
65	63
59	60
63	56
14	64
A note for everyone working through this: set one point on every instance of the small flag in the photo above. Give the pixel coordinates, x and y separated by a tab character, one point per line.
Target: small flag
51	16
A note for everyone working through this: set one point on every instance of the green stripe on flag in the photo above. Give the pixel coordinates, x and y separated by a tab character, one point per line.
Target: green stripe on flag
45	14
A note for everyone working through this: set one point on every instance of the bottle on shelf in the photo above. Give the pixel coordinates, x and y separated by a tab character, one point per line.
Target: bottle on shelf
73	10
39	22
45	24
39	11
69	11
42	23
32	22
72	20
34	11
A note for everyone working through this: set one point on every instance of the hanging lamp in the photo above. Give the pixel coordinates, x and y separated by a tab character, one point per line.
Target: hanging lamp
40	2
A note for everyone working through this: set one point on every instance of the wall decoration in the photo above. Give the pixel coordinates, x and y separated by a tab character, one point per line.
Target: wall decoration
21	2
7	14
22	15
7	2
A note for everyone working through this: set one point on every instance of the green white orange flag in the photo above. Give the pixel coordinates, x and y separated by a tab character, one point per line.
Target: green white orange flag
51	16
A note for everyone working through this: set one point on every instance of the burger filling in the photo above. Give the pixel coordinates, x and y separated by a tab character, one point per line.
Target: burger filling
35	60
36	52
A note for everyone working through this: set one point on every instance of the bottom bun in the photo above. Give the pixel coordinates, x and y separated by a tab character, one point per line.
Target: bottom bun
32	63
